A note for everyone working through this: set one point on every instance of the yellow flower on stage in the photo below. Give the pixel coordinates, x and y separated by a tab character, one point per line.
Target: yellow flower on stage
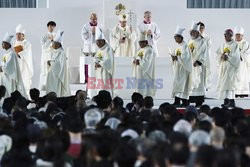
5	59
99	55
191	46
140	54
226	50
178	52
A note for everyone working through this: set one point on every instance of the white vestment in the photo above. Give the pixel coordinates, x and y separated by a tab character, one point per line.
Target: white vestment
242	83
58	74
144	73
105	73
152	40
228	70
207	69
182	85
11	76
126	49
25	62
46	42
199	52
89	39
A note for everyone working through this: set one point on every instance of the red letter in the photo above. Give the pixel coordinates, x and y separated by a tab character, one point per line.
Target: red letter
119	81
100	84
91	83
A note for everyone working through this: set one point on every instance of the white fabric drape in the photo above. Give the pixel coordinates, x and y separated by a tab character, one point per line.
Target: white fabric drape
218	3
17	3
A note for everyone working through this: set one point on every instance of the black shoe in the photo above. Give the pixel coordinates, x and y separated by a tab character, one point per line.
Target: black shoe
226	102
185	103
177	102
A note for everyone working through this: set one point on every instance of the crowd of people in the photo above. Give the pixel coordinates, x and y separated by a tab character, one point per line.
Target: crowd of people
75	131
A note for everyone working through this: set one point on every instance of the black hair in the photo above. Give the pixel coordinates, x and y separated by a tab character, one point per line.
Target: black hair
148	102
51	23
136	96
34	94
125	155
2	91
201	24
202	156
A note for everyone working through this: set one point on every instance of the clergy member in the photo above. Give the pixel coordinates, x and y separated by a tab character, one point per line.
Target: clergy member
144	68
123	38
104	65
46	42
182	67
208	40
23	50
88	36
199	52
229	61
10	74
58	74
242	85
151	30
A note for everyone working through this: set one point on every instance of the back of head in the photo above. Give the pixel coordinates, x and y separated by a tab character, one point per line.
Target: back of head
148	102
199	138
206	156
103	99
34	94
92	117
217	134
125	155
136	96
2	91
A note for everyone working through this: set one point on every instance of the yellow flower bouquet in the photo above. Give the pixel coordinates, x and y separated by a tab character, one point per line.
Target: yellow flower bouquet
99	55
178	52
140	54
191	47
5	59
226	50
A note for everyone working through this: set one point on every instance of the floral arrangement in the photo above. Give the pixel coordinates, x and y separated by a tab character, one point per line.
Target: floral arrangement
191	47
140	54
119	9
5	59
99	55
178	52
226	50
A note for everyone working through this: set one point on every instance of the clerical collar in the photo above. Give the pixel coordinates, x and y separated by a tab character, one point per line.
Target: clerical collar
145	22
93	24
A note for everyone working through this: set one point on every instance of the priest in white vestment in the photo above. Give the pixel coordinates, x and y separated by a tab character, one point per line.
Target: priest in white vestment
104	65
228	58
199	52
151	30
46	42
208	40
89	39
123	38
182	67
23	49
242	84
58	73
144	68
10	74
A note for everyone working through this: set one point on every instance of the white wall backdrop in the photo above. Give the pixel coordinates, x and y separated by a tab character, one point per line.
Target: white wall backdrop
70	15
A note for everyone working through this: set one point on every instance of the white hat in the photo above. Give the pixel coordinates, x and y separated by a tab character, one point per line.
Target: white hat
195	26
130	133
142	37
239	30
58	37
20	29
99	35
123	17
113	123
183	126
8	38
179	30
